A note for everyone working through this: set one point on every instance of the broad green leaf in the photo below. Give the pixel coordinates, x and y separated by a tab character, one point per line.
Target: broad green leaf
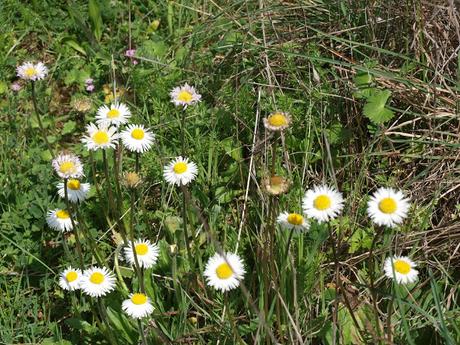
74	45
69	127
362	79
96	19
375	109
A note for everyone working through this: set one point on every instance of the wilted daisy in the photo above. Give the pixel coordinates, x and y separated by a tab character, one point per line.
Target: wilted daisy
99	137
277	121
59	220
180	171
31	71
322	203
137	139
76	191
117	114
68	165
293	221
184	95
388	207
97	282
147	253
70	279
275	185
137	306
401	268
224	273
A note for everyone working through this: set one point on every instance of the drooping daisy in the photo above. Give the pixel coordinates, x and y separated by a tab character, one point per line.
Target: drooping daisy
147	253
277	121
76	191
185	95
68	165
31	71
275	185
137	139
224	273
117	114
401	268
322	203
388	207
293	221
97	282
70	279
100	137
59	220
180	171
137	306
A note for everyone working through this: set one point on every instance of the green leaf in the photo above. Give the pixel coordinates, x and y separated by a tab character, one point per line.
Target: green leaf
362	79
69	127
375	109
96	19
73	44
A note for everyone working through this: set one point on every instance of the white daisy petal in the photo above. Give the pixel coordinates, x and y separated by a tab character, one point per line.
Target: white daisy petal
76	191
322	203
388	207
278	121
117	114
31	71
146	252
184	95
401	268
100	137
68	165
180	171
137	139
224	273
97	282
70	279
59	220
137	306
294	221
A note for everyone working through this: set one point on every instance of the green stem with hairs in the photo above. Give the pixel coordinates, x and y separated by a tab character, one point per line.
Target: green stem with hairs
40	124
74	225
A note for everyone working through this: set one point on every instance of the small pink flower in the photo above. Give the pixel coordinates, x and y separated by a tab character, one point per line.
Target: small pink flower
89	81
130	53
134	61
16	86
90	88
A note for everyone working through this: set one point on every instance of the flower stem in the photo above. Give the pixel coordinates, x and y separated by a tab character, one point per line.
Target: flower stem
74	226
40	124
131	235
184	220
105	320
141	332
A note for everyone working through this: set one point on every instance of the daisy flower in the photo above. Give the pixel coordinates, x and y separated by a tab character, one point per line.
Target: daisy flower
388	207
275	185
68	165
146	252
59	220
76	191
31	71
99	137
277	121
400	268
322	203
184	95
137	306
70	279
180	171
293	221
224	273
97	282
117	114
137	139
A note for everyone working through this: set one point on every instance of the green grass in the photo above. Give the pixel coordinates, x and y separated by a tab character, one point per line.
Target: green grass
372	92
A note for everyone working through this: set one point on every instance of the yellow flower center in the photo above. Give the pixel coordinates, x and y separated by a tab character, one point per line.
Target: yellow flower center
101	137
224	271
97	278
180	167
137	134
139	298
185	96
62	214
295	219
388	205
141	249
73	184
30	72
322	202
71	276
67	167
113	113
277	120
401	266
